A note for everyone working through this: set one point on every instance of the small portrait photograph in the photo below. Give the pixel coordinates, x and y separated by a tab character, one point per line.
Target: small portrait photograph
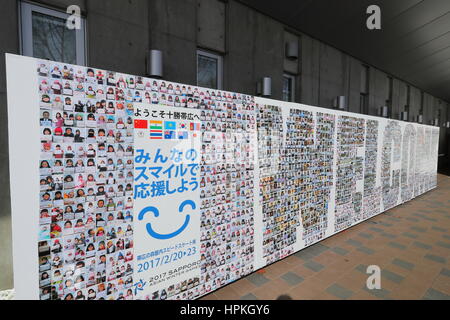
58	119
67	88
111	122
68	227
57	103
90	76
90	165
45	168
46	199
44	248
79	74
56	229
45	219
68	214
58	180
91	140
68	104
91	250
43	69
56	245
69	119
101	92
91	120
44	278
80	107
123	95
79	255
45	101
44	293
56	87
57	214
80	123
55	71
68	135
44	263
80	294
56	260
91	91
46	134
69	257
58	135
79	165
110	93
56	276
69	182
79	227
46	150
107	107
46	118
100	76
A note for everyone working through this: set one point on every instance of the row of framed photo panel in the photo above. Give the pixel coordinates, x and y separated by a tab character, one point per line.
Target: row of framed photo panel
274	178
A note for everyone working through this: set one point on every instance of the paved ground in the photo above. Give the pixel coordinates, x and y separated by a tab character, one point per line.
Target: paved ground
410	243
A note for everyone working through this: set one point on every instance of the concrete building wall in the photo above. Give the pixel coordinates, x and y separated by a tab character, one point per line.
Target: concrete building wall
310	75
211	22
415	103
354	84
173	29
117	33
255	49
120	33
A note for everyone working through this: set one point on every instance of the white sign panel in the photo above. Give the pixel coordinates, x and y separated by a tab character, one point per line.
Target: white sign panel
167	200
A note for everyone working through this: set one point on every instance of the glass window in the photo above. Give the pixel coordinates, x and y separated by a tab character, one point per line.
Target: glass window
209	70
288	88
46	36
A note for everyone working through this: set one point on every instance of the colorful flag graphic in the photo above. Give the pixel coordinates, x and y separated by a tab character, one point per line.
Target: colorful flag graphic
156	129
156	125
140	124
195	126
156	135
170	125
182	125
168	134
182	135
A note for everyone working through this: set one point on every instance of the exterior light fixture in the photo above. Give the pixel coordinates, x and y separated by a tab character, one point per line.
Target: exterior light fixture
266	87
155	63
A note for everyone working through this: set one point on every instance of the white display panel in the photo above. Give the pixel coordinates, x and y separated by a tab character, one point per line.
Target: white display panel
139	188
336	169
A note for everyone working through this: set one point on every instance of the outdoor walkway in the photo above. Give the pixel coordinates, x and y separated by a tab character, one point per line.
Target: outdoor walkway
410	243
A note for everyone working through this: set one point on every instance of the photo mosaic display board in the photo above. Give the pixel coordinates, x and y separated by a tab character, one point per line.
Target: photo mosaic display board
139	188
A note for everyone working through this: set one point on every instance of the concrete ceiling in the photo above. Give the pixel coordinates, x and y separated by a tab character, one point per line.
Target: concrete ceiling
413	43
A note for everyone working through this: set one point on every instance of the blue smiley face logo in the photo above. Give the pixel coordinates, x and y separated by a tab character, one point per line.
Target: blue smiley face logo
155	212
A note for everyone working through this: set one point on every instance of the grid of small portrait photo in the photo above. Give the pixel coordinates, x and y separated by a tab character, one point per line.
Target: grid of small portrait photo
296	177
227	184
310	154
228	127
421	156
391	153
372	193
408	162
351	134
279	196
86	178
86	167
